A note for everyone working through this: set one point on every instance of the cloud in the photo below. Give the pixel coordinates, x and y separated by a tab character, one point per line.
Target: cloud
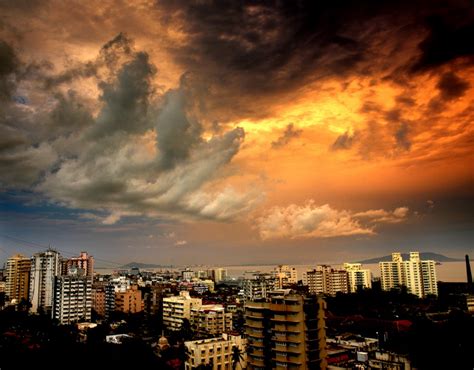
383	216
289	134
343	141
451	86
136	153
8	66
312	221
449	37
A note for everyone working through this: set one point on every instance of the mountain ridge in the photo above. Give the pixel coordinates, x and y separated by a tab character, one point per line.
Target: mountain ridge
406	256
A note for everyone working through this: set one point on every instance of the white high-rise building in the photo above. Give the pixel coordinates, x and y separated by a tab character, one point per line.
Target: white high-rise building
418	276
73	297
176	309
326	280
285	275
358	278
45	266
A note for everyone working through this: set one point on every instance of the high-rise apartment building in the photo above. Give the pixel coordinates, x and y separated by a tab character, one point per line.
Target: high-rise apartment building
258	286
359	278
98	300
84	261
17	271
218	274
419	277
45	266
211	319
178	308
286	330
326	280
72	297
285	275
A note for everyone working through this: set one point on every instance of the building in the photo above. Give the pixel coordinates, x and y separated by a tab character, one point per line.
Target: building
45	266
98	301
285	275
326	280
84	262
72	297
286	330
153	300
178	308
218	274
119	284
211	320
17	277
129	301
358	278
218	351
419	277
258	286
187	274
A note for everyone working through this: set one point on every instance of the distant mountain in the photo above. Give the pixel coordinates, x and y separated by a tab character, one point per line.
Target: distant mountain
141	265
423	255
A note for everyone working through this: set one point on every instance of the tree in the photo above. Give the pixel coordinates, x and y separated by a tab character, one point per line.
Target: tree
237	356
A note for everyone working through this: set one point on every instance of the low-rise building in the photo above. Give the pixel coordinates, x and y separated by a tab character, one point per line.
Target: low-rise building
220	352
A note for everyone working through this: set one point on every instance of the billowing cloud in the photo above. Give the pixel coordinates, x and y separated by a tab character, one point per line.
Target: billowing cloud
140	154
313	221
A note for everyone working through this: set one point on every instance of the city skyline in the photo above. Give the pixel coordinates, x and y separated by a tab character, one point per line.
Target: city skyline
236	133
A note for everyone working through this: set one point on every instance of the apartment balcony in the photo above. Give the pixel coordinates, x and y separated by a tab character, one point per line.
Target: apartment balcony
285	308
254	334
287	349
292	319
255	361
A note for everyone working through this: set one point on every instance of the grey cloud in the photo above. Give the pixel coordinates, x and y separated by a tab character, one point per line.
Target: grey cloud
126	100
289	134
141	154
343	141
177	135
401	136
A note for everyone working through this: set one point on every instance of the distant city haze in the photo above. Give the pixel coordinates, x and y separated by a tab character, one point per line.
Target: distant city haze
447	271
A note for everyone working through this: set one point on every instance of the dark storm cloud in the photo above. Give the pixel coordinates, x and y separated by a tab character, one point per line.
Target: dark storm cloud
289	134
451	86
450	36
258	49
126	100
8	66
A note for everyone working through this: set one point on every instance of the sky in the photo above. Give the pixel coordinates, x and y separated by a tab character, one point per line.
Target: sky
236	132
